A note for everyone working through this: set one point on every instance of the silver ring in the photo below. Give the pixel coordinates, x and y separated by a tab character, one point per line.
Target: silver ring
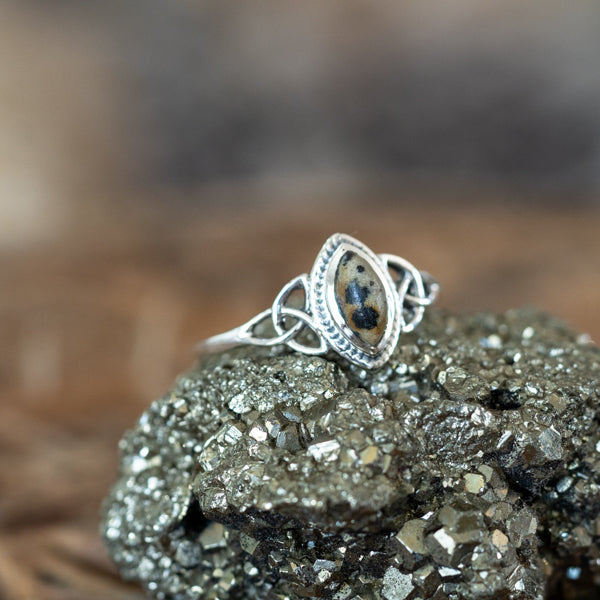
354	302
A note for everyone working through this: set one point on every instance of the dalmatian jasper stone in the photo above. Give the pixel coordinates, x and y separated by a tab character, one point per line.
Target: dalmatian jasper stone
360	296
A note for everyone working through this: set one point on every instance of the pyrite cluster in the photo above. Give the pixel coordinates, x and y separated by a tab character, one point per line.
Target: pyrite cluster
467	468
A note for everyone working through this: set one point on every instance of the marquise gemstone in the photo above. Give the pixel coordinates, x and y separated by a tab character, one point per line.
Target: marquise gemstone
360	296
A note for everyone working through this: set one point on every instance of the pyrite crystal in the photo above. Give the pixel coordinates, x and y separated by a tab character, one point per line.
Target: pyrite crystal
466	468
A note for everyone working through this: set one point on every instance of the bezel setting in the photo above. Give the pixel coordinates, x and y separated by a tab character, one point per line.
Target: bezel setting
327	315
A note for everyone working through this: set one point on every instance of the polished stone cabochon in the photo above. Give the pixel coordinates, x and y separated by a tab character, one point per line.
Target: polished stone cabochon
360	297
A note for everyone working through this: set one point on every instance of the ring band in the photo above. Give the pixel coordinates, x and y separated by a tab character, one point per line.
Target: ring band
354	302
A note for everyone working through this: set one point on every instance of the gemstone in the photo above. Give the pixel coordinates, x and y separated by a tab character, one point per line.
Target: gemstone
360	297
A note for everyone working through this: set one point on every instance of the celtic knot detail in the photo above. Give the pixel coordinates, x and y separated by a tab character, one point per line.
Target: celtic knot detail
279	312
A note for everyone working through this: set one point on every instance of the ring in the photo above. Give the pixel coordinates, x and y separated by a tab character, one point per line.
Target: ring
354	302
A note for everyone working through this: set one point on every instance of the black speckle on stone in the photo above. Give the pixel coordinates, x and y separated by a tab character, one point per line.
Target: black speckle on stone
356	293
360	269
348	256
365	317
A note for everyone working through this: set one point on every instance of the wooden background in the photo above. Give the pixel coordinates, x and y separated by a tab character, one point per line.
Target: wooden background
165	168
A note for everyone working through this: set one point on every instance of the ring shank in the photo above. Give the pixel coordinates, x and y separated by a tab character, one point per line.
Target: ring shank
222	341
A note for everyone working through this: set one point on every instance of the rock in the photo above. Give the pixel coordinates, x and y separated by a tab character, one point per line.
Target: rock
466	468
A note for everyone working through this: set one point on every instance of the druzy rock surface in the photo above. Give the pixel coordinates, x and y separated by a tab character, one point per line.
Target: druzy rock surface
466	468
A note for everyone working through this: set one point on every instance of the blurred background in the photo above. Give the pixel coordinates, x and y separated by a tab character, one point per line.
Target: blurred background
166	167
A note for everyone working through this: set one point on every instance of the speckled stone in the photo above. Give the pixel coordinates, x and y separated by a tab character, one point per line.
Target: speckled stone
467	468
361	298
